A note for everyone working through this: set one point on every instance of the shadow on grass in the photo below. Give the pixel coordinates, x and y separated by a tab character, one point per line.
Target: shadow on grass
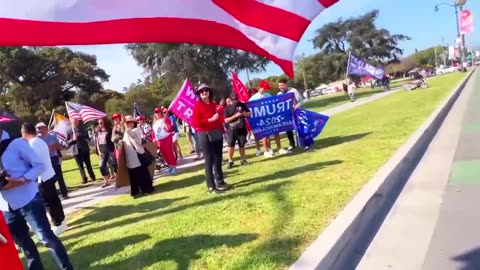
286	173
182	250
111	212
337	140
76	168
190	181
104	213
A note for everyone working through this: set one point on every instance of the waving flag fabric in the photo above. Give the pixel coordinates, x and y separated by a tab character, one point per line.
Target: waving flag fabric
136	111
360	67
270	28
85	113
60	127
309	124
240	89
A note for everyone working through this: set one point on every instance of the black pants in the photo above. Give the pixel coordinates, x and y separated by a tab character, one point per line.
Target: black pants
140	180
291	138
212	153
52	201
60	179
83	157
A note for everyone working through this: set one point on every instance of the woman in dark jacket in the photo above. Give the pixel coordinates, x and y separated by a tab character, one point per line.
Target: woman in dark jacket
105	149
207	122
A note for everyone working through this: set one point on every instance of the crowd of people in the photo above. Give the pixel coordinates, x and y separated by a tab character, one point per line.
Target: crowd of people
31	165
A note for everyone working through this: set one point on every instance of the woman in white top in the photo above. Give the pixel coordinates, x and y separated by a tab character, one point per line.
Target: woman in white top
140	179
162	129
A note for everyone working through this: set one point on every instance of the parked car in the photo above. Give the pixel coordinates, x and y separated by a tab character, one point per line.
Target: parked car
444	70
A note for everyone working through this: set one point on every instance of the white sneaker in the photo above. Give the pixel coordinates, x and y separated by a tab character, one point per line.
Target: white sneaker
283	151
258	153
57	230
268	154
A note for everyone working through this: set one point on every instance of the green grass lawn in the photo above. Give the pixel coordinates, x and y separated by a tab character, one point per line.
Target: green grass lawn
277	208
71	174
325	102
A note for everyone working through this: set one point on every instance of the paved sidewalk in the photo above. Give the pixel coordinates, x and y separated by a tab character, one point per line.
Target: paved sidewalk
91	196
434	223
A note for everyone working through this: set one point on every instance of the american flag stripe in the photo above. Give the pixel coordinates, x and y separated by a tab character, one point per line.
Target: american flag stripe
83	112
270	28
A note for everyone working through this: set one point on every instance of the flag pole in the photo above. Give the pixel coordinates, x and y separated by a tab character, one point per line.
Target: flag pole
51	118
348	65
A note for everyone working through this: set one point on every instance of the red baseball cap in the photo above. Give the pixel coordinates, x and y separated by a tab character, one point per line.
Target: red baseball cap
158	110
264	84
117	116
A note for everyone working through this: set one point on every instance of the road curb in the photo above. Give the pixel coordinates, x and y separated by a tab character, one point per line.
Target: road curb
344	242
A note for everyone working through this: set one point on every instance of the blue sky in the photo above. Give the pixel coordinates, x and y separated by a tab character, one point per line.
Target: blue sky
414	18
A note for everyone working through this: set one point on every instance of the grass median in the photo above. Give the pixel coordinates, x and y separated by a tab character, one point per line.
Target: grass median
276	210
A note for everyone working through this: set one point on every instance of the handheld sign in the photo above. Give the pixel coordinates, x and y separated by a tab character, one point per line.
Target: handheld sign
271	115
183	104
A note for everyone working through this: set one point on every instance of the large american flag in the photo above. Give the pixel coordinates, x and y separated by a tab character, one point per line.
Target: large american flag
270	28
83	112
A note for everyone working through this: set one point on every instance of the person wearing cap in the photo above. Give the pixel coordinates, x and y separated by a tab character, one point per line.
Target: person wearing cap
235	115
162	131
54	147
144	127
117	133
208	125
139	175
263	87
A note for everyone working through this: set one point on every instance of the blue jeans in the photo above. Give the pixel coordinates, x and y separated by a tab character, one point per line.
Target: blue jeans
34	214
107	159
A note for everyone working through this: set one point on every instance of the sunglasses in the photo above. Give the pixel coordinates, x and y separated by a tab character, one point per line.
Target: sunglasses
203	91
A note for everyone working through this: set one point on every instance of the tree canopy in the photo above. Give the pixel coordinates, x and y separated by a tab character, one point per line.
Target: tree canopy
199	63
335	40
33	81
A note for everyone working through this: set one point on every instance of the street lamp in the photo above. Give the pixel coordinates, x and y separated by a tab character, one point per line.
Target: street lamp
457	5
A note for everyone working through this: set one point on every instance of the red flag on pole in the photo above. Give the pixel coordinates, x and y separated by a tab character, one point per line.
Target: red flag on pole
242	93
240	89
8	252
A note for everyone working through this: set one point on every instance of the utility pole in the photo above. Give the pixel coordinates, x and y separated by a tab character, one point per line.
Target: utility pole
435	50
248	78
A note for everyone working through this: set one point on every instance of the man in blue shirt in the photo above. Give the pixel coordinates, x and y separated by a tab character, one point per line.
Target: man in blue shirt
21	203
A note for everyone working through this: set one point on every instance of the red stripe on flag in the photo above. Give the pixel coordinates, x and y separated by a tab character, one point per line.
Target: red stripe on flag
327	3
37	33
268	18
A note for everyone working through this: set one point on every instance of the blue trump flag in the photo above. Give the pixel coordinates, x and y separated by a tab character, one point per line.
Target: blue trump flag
358	66
271	115
309	125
